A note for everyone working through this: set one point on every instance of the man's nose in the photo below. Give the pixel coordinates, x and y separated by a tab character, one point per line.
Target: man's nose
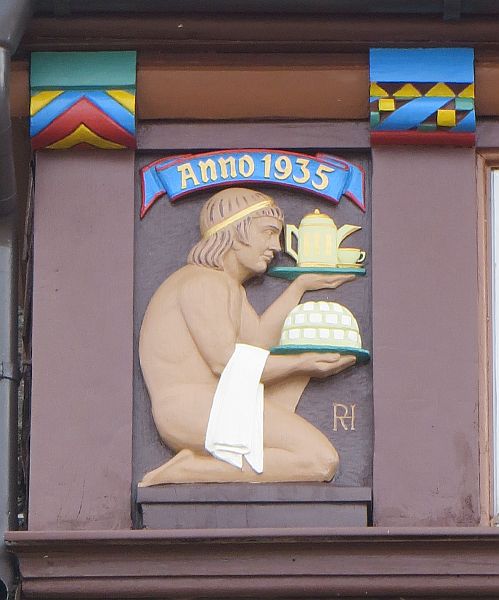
275	244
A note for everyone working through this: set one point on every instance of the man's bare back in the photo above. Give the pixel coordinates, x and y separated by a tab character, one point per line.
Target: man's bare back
166	336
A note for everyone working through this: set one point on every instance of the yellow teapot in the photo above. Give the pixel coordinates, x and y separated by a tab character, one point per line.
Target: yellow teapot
318	241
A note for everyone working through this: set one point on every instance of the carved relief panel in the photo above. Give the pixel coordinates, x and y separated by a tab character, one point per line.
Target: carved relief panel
252	321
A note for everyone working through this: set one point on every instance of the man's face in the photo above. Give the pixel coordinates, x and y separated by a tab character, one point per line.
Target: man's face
263	242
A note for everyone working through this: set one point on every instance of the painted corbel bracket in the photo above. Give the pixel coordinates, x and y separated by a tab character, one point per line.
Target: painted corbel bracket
422	96
83	99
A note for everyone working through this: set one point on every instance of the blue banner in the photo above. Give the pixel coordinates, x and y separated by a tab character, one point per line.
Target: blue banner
323	175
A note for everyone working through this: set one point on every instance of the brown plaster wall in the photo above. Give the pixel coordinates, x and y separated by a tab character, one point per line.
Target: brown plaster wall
82	341
424	273
425	320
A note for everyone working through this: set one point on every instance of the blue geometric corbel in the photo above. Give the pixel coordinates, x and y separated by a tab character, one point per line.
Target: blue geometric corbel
422	96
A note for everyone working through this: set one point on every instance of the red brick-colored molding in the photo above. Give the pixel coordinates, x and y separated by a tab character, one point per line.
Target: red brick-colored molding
260	563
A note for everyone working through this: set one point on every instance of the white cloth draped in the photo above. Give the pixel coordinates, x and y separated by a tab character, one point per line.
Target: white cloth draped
235	426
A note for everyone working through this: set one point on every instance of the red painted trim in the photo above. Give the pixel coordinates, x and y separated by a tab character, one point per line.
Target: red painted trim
419	138
363	208
143	207
86	113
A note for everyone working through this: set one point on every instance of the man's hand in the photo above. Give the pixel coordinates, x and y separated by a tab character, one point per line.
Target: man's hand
321	365
317	281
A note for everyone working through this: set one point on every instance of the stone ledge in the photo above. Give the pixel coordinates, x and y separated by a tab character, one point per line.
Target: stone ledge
248	505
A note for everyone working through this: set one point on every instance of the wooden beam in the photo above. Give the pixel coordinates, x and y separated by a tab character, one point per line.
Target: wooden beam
250	33
249	91
158	135
259	86
259	563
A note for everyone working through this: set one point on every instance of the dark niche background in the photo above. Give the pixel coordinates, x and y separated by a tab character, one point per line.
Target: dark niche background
163	239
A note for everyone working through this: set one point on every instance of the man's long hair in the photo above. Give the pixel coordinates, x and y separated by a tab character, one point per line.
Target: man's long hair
209	251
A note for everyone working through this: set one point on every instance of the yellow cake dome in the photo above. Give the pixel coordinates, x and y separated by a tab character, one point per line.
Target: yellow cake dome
321	324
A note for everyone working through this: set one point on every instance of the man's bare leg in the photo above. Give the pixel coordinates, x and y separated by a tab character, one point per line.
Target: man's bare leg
294	451
195	468
287	393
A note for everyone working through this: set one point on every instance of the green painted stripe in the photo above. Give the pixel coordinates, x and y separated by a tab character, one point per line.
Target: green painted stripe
292	273
427	127
83	70
374	119
104	88
465	104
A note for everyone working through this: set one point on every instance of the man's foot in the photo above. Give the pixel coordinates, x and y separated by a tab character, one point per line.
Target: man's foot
160	475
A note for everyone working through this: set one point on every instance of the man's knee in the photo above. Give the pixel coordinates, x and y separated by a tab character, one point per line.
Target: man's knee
320	461
327	462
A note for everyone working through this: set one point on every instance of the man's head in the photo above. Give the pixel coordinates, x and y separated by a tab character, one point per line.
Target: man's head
238	219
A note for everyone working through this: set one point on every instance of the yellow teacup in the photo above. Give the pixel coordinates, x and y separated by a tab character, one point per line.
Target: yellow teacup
351	256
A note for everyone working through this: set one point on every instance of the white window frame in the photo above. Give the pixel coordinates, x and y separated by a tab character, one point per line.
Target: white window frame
494	287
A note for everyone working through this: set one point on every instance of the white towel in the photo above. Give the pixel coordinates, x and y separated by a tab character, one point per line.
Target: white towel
235	427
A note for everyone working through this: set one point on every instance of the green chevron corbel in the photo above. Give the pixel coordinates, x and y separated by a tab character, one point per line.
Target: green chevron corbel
83	99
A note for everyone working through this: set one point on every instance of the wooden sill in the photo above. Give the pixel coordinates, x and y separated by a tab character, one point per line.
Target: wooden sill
259	563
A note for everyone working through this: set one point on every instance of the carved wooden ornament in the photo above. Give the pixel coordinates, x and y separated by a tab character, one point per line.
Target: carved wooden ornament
422	96
224	382
82	99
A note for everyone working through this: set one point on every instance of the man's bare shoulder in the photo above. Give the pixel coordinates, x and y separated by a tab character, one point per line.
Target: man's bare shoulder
190	281
207	284
194	279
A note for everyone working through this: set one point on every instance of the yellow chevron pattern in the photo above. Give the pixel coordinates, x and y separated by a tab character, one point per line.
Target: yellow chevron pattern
41	99
407	91
376	90
468	92
83	135
125	98
441	90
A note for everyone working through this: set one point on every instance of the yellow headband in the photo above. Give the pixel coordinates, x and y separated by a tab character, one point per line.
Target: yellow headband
237	217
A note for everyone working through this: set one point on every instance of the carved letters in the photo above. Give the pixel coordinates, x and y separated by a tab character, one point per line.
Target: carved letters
342	413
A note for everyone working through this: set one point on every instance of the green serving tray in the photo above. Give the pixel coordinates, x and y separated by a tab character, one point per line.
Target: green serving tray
292	273
363	356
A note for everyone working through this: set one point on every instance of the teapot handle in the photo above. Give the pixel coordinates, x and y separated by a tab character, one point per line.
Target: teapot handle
290	230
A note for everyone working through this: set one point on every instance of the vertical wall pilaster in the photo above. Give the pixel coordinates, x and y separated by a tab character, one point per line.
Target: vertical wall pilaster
81	433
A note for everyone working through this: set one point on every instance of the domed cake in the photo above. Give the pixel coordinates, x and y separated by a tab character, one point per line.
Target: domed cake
321	324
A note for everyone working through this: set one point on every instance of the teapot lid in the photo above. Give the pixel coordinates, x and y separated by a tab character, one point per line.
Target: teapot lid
316	218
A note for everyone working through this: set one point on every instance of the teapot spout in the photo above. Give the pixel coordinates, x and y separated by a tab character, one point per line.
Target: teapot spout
346	230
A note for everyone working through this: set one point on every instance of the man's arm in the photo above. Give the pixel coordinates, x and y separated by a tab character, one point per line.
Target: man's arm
211	310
